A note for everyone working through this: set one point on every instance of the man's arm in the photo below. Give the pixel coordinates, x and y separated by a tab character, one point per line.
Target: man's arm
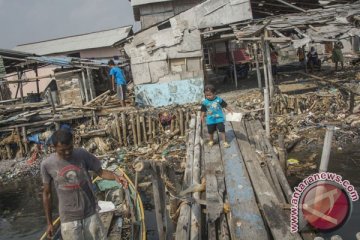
113	82
108	175
47	208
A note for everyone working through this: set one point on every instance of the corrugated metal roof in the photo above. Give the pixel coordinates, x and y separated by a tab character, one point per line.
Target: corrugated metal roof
135	3
75	43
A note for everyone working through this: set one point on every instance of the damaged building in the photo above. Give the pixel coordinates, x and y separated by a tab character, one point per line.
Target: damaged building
167	59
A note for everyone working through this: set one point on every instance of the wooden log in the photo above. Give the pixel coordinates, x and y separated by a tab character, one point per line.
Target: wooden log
150	125
246	221
95	133
118	131
23	130
153	129
272	209
282	152
195	232
186	120
97	98
172	125
143	121
94	118
19	143
133	129
183	224
182	128
124	128
267	167
159	202
138	129
215	186
276	164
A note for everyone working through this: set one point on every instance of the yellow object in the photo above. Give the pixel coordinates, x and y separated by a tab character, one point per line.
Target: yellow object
292	161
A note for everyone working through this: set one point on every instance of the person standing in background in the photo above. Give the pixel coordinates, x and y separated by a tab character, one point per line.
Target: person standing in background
118	82
337	55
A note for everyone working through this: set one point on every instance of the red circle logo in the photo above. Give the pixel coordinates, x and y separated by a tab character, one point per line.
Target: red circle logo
325	206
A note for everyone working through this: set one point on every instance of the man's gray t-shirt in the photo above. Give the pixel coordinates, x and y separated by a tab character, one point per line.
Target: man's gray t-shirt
72	183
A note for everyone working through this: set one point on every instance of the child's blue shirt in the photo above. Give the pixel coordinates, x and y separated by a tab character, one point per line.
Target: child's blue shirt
213	109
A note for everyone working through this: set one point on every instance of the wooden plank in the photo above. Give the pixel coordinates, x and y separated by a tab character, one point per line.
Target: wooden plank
246	221
276	219
183	225
295	87
195	232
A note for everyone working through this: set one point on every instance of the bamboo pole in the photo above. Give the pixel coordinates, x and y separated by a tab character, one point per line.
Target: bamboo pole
118	128
124	128
138	129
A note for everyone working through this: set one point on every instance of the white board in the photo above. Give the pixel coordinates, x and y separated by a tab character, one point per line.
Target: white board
233	117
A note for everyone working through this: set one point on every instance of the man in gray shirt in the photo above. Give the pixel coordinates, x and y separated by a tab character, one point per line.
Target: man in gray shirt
68	169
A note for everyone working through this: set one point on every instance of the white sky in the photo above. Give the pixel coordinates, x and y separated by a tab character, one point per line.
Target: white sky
25	21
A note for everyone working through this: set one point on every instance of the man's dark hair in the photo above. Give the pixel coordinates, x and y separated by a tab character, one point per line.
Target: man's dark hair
62	136
111	62
209	88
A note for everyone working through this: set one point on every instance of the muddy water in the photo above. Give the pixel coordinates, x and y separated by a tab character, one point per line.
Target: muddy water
21	214
345	162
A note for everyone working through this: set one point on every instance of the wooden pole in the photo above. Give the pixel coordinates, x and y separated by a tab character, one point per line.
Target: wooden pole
269	69
267	112
265	63
37	80
258	73
150	127
21	147
133	129
143	121
94	118
153	128
234	66
138	129
118	128
124	128
182	129
85	86
52	102
326	149
282	152
90	84
23	130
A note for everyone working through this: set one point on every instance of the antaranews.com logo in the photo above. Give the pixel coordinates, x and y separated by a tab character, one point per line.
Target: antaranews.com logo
322	200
